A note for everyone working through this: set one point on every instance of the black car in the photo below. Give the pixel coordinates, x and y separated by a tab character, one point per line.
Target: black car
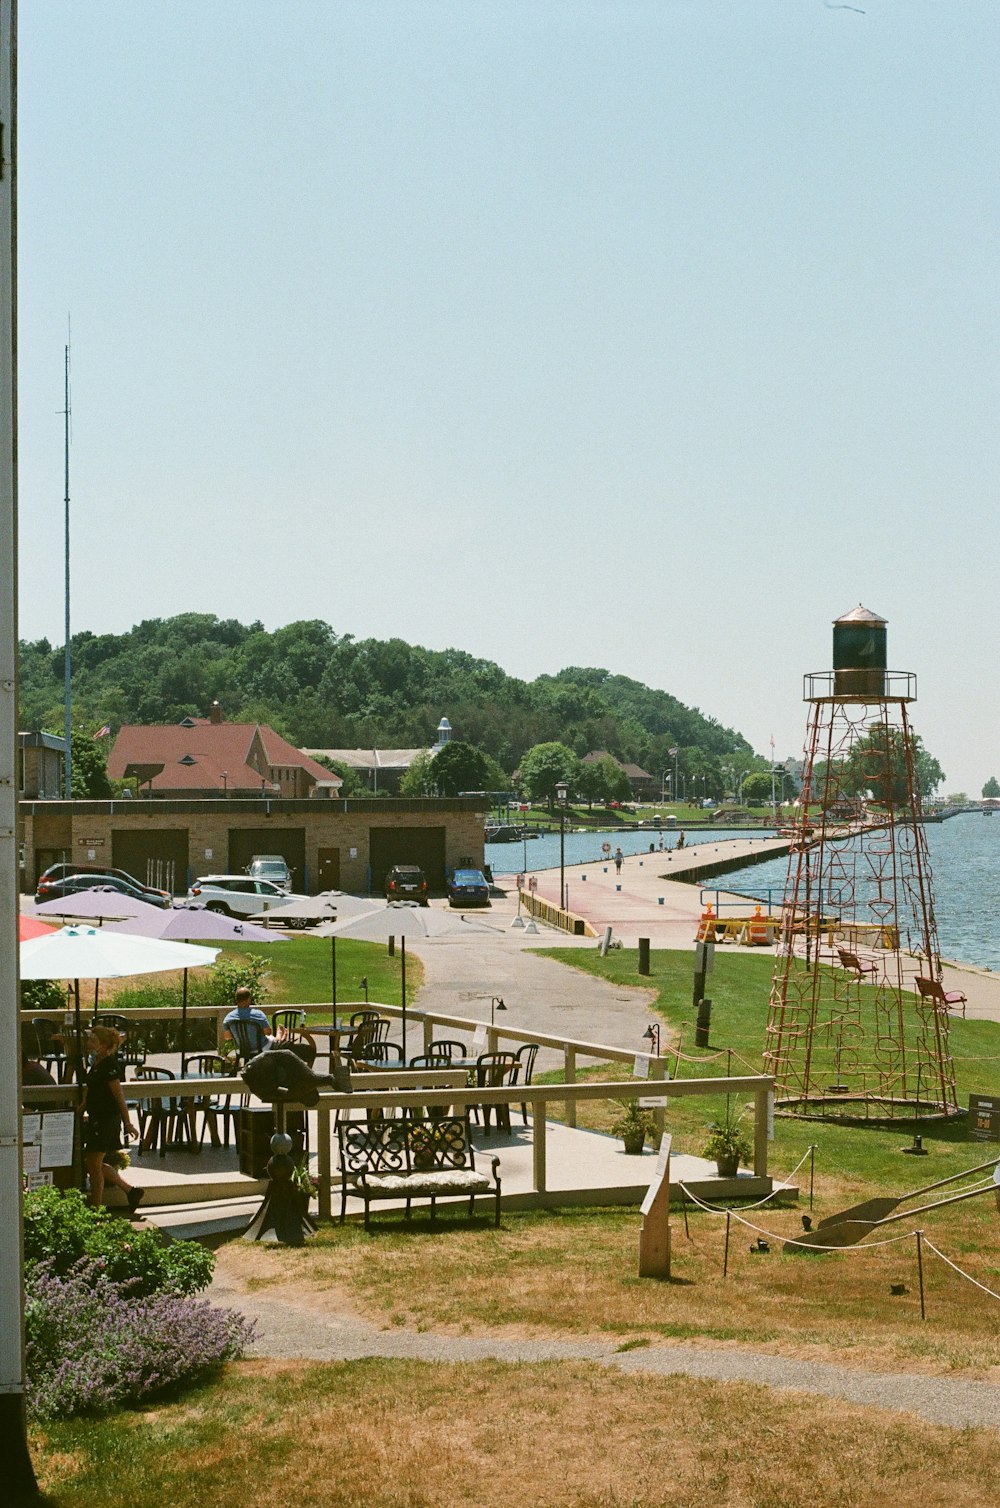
468	887
405	882
62	887
102	872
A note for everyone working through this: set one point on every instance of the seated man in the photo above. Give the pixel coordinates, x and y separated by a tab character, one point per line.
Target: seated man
253	1030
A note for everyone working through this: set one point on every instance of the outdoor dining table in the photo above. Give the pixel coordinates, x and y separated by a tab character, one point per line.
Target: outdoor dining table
334	1035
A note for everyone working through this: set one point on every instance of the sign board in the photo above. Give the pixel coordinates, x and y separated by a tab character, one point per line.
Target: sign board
984	1117
90	842
46	1143
640	1070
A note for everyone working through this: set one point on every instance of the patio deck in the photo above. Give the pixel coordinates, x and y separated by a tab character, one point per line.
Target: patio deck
205	1195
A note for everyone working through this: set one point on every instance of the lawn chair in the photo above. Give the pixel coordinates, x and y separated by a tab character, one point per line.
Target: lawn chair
493	1070
249	1039
446	1047
159	1119
48	1047
942	999
526	1056
861	968
214	1107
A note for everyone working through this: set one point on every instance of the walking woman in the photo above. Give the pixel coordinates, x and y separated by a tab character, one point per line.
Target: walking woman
107	1114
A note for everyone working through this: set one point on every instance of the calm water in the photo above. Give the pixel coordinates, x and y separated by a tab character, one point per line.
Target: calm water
964	855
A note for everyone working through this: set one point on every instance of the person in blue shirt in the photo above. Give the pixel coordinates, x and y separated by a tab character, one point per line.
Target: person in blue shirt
244	1010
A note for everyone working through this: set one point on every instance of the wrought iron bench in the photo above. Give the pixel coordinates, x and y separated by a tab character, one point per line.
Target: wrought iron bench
423	1157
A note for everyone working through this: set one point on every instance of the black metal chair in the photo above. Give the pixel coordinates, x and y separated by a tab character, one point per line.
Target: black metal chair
380	1054
430	1060
47	1047
493	1071
214	1107
249	1038
526	1056
291	1020
370	1034
449	1048
163	1116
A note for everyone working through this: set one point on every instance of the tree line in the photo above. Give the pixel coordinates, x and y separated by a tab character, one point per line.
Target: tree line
320	689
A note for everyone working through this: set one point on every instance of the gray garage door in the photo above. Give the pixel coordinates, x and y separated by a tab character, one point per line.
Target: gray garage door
288	842
156	856
407	845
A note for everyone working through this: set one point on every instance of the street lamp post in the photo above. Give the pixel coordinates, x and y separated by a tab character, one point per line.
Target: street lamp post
562	791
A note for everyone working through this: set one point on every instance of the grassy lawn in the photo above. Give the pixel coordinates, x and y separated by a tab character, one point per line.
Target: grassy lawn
299	973
415	1435
575	1270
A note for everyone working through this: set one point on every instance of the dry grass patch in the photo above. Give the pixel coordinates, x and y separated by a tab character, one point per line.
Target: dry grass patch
573	1272
412	1435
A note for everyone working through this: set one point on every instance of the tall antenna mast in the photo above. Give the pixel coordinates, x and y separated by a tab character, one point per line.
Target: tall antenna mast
67	655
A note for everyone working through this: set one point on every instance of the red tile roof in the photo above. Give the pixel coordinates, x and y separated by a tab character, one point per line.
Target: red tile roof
196	754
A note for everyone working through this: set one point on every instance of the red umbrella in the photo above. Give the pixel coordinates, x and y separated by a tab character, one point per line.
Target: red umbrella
27	927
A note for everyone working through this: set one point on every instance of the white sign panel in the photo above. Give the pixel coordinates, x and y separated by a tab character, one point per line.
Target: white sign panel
57	1139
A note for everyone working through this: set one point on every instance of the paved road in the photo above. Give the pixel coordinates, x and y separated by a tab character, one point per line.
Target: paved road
298	1330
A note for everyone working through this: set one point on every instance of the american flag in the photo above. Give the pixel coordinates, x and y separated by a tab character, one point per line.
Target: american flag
103	732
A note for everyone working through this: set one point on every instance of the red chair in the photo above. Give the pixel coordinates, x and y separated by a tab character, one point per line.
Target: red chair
862	968
942	999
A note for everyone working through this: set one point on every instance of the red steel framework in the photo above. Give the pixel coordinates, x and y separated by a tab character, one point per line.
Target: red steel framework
848	1033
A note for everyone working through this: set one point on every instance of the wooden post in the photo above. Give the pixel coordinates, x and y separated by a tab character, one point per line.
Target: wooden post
323	1149
569	1057
760	1127
654	1236
538	1132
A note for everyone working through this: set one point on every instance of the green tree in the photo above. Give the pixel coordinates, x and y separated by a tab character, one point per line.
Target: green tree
877	764
89	767
460	767
419	778
757	788
544	767
355	785
991	790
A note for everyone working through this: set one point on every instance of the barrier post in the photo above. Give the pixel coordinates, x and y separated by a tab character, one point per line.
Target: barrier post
569	1073
725	1259
654	1234
920	1274
643	955
323	1168
538	1130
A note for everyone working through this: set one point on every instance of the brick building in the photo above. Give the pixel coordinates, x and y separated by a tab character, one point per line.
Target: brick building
328	845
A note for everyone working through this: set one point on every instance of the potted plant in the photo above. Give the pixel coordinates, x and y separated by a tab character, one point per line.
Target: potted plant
423	1146
728	1145
633	1126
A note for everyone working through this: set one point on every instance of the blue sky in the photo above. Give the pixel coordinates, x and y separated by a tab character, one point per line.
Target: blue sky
649	336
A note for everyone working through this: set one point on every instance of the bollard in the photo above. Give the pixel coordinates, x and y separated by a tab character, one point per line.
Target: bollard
392	947
618	887
703	1023
644	955
659	900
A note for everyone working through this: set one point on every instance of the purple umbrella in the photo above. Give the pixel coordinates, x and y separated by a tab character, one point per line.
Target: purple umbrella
185	923
100	903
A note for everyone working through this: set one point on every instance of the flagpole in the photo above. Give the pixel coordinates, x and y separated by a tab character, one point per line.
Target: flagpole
20	1487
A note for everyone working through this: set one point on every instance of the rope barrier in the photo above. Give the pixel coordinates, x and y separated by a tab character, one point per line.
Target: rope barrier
962	1274
760	1230
772	1195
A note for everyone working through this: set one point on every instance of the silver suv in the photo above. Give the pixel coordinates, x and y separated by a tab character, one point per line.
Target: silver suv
270	866
239	895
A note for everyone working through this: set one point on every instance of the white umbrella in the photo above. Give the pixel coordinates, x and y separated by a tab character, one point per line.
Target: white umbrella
403	919
90	953
328	906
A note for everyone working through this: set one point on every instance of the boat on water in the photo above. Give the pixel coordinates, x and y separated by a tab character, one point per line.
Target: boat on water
504	833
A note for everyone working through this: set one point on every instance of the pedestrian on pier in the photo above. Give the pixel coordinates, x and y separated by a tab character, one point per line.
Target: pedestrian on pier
619	860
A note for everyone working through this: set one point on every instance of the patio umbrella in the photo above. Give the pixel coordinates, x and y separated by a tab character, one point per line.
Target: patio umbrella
328	906
402	919
185	924
88	953
100	903
27	927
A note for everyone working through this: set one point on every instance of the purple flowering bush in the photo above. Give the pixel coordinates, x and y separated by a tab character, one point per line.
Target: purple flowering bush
93	1346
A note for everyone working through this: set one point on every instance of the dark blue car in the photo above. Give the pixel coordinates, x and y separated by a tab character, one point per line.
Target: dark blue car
468	887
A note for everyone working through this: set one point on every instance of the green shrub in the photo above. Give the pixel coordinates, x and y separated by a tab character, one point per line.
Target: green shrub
227	975
61	1228
42	995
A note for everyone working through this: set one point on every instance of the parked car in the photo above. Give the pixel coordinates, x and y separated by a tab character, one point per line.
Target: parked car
239	895
468	887
72	884
270	866
103	873
406	882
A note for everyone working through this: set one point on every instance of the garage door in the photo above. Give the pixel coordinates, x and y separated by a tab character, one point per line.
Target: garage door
288	842
155	856
407	845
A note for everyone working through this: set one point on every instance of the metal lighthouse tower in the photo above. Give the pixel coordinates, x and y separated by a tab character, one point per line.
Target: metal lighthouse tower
858	1018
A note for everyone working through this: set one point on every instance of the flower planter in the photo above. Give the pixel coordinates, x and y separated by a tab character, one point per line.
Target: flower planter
727	1167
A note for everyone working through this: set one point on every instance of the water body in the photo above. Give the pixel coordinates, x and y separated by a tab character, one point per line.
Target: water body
965	865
